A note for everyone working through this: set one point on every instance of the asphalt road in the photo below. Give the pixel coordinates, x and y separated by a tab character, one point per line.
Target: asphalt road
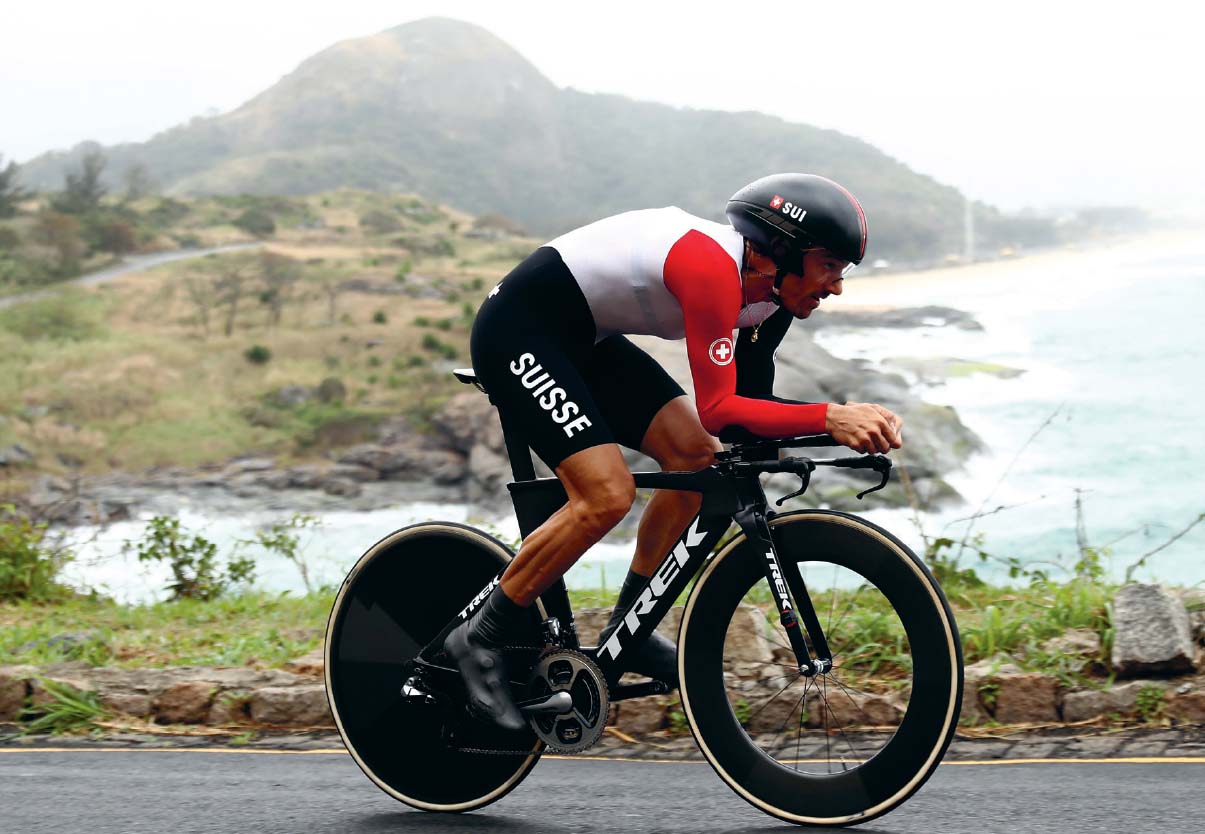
101	791
131	263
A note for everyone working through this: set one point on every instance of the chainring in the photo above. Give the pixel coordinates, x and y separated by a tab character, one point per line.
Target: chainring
565	670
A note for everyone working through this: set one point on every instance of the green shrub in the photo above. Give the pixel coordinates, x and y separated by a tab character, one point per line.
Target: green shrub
379	222
69	710
65	317
256	221
196	571
257	355
379	317
28	568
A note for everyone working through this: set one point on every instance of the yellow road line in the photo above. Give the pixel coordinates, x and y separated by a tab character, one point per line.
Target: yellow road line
340	752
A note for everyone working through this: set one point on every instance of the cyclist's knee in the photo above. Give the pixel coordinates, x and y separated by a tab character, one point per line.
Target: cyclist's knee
604	505
697	454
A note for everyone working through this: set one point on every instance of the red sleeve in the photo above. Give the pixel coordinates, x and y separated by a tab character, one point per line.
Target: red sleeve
703	277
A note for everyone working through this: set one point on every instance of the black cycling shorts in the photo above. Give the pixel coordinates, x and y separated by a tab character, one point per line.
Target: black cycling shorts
533	351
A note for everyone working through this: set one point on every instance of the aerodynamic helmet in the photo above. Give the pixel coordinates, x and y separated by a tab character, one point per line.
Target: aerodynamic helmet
784	215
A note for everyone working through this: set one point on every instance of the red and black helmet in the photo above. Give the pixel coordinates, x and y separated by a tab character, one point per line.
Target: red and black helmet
784	215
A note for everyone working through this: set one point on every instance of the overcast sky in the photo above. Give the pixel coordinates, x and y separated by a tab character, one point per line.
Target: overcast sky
1017	103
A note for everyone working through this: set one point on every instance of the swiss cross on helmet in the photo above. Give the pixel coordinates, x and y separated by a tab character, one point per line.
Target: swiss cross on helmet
784	215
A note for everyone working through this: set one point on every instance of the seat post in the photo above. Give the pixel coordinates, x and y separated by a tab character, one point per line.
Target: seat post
518	452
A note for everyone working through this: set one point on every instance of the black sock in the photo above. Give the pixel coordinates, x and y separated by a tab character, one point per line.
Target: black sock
633	584
496	621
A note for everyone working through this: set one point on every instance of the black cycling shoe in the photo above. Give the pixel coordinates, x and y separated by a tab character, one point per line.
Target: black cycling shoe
657	657
475	647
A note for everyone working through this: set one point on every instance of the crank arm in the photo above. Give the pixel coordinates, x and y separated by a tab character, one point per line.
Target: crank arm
557	703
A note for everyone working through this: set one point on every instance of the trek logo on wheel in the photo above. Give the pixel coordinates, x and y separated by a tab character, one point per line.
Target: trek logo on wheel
529	373
721	351
480	598
659	582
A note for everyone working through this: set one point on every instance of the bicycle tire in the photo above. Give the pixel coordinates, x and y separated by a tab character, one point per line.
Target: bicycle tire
872	779
398	597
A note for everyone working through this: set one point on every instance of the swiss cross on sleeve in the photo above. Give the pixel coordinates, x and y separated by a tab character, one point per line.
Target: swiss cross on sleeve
776	202
721	351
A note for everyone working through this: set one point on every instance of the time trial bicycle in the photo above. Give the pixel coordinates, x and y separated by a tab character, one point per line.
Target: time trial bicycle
819	663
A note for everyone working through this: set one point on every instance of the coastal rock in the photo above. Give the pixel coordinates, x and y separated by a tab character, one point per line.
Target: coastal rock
898	317
342	487
291	706
353	472
15	455
1151	632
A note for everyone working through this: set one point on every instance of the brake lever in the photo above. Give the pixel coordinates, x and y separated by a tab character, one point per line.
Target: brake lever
805	477
881	465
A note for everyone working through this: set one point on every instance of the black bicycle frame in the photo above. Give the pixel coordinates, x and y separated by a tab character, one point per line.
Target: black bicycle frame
730	491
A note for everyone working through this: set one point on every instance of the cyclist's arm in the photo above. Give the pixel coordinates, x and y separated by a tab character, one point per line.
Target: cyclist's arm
755	360
700	275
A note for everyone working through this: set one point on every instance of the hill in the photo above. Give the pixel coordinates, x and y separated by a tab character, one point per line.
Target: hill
445	109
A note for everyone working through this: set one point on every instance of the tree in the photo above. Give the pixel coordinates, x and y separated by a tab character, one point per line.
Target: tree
279	274
115	236
203	294
256	221
138	182
60	232
82	188
230	288
10	192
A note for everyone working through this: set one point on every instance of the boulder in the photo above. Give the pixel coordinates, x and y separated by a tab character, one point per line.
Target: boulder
186	702
1151	632
15	684
1080	642
1026	698
641	716
312	664
231	707
137	704
1089	704
290	396
847	709
15	455
1186	705
308	476
353	472
342	487
291	706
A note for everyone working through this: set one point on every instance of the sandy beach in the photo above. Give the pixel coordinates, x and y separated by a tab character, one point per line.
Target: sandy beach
1072	266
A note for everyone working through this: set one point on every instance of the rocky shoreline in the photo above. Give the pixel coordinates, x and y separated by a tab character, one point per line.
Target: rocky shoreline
462	457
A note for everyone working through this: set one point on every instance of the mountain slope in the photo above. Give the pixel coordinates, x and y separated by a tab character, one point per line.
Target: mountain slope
447	110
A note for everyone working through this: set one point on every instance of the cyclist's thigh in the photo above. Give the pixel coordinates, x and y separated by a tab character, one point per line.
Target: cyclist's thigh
528	343
630	388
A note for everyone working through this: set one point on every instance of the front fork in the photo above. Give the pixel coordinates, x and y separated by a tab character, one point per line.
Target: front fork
790	596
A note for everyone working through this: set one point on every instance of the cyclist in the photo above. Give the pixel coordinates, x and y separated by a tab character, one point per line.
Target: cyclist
549	346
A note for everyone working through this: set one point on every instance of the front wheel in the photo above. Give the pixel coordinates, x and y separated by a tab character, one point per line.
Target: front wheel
397	598
837	748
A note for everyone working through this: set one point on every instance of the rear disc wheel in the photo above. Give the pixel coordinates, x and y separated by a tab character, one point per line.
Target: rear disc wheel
397	598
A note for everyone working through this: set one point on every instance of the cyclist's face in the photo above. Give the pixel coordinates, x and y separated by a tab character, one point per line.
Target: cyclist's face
822	277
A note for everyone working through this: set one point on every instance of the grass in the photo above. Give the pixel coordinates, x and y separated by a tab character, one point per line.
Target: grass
253	629
128	375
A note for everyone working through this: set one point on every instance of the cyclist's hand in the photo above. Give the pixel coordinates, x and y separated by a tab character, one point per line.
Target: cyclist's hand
864	427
